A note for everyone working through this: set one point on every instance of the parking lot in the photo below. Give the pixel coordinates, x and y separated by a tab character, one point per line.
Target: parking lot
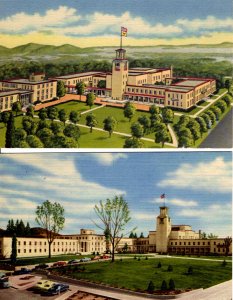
14	294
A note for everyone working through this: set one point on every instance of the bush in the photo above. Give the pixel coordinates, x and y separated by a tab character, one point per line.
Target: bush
139	259
224	263
159	265
164	286
146	258
170	268
151	287
190	271
171	284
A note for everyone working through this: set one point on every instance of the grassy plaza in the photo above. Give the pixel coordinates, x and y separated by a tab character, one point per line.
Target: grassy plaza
135	274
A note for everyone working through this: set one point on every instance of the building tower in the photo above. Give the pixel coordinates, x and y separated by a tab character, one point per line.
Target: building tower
163	230
120	67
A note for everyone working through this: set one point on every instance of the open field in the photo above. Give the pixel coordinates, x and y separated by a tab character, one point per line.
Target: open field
135	275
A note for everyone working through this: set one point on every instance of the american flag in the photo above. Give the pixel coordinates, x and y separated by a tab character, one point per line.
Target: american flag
162	196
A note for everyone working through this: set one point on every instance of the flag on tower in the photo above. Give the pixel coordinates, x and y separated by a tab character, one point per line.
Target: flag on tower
124	31
162	196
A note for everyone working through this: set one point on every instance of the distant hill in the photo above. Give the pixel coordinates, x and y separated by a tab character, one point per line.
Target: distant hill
35	232
39	49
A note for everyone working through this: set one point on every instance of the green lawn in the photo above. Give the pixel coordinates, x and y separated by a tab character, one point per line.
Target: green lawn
135	275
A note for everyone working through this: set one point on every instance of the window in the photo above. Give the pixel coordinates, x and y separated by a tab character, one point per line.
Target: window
18	250
24	243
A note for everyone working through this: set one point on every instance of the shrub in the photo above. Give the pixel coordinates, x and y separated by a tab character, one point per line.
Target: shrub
151	287
139	259
164	286
171	284
224	263
159	265
170	268
135	257
190	270
146	258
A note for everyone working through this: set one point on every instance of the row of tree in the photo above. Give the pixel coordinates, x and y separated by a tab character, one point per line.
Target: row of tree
18	228
189	130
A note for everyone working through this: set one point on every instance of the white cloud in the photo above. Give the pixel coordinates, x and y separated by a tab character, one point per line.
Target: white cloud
212	176
21	22
177	202
108	159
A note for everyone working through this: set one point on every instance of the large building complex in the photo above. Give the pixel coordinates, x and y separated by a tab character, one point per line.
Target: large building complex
145	85
168	238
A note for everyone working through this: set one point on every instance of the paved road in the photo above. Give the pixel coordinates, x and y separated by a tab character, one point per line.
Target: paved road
221	136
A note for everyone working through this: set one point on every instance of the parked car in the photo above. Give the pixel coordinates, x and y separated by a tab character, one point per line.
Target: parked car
57	288
4	281
97	257
22	271
73	261
41	266
85	259
44	285
104	256
59	264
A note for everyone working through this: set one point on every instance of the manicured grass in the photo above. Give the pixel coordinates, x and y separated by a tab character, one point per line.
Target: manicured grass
204	103
135	275
194	111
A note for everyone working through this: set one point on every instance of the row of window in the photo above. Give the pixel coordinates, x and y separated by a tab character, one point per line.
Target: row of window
142	91
44	250
43	243
85	79
189	243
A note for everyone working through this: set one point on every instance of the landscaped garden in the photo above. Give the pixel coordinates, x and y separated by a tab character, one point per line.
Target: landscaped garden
136	273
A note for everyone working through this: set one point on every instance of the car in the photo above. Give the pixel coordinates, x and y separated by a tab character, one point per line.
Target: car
96	257
73	261
22	271
4	281
59	264
85	259
57	288
105	256
41	266
44	285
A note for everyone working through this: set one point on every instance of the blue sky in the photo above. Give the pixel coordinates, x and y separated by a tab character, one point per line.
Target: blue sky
198	187
89	22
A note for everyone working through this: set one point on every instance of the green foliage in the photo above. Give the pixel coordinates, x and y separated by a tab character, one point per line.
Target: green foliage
10	132
224	263
14	250
74	117
91	121
162	135
43	124
72	131
227	99
190	270
153	110
170	268
45	136
61	90
16	107
50	216
222	105
129	110
167	115
90	99
62	115
42	113
5	116
163	286
212	116
57	127
202	123
137	130
113	214
145	122
133	142
80	88
29	125
150	287
228	84
217	111
141	235
101	84
30	111
110	124
34	142
171	285
159	264
52	113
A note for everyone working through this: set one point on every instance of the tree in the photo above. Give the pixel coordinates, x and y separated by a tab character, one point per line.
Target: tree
43	124
57	127
43	114
125	248
91	121
145	122
170	268
212	116
207	120
129	111
20	135
217	111
212	236
159	265
133	142
185	138
45	136
90	99
154	109
202	123
162	135
74	117
228	84
80	88
14	250
137	130
101	84
34	142
190	270
72	131
203	235
61	90
10	132
62	116
227	99
195	129
5	116
50	216
10	229
227	244
131	235
29	125
222	105
16	107
30	111
164	285
27	230
107	239
171	284
141	235
114	214
167	115
110	124
52	113
20	230
151	287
